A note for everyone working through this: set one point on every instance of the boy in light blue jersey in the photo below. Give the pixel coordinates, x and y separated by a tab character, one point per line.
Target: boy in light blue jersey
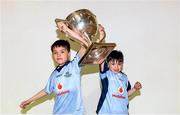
115	86
65	80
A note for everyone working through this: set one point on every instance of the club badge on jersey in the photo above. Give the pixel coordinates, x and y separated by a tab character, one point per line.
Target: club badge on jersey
60	91
120	91
59	86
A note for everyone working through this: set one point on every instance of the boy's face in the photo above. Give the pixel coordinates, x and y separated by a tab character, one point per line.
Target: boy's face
115	66
60	55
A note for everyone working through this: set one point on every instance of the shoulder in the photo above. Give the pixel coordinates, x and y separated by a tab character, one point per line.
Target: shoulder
76	58
123	74
54	72
53	75
74	64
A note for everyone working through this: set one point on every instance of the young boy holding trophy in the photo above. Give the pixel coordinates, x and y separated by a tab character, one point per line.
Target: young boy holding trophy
65	80
116	87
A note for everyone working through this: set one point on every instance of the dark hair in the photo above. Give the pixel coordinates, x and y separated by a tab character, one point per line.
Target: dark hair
115	55
61	43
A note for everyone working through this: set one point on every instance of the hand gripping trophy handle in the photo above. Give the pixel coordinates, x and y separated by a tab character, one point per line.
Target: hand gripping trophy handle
80	37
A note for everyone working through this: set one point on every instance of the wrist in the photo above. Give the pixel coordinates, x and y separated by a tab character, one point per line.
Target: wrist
135	89
30	100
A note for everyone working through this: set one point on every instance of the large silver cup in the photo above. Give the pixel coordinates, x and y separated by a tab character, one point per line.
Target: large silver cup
84	22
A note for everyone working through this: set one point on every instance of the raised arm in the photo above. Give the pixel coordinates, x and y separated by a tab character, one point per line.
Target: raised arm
74	35
102	35
40	94
77	36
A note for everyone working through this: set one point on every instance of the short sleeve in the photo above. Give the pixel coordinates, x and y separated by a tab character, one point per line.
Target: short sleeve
104	72
102	75
49	86
128	86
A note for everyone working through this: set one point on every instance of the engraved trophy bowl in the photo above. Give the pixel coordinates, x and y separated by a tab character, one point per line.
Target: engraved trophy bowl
84	22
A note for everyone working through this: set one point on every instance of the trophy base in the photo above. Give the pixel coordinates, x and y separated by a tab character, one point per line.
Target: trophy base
96	53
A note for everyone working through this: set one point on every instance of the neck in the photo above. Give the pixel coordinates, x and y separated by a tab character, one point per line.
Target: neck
63	63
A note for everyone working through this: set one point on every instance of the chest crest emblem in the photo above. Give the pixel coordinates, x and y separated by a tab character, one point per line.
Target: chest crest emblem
67	74
59	86
120	90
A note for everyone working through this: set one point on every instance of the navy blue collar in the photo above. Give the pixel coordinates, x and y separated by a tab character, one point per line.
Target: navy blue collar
58	68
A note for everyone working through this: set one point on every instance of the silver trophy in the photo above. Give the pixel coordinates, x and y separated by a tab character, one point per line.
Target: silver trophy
84	22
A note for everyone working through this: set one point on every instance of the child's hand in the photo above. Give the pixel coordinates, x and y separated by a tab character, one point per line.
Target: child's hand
137	85
24	104
101	28
99	61
101	32
62	26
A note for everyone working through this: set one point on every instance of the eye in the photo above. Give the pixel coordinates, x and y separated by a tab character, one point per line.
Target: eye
112	63
62	51
54	52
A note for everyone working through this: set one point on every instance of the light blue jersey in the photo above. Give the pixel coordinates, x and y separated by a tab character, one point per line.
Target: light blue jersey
114	95
65	83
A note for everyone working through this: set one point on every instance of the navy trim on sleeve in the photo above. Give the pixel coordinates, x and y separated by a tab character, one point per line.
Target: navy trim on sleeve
104	91
105	68
129	86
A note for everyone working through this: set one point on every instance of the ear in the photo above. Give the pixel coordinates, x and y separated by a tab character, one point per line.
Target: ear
108	64
69	55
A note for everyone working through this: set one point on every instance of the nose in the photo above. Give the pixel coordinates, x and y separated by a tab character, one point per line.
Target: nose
116	66
59	55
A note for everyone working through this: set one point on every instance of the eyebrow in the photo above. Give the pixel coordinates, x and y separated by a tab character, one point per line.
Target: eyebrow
116	61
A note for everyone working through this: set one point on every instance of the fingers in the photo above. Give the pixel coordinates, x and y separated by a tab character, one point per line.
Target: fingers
61	25
101	30
99	61
100	27
102	33
24	104
137	86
